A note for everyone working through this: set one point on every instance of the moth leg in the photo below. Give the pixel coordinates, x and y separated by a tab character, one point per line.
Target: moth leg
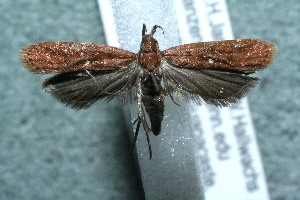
141	112
135	121
166	91
149	146
174	100
156	86
147	131
135	138
138	120
141	116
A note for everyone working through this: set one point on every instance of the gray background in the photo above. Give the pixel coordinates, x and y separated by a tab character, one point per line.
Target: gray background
48	151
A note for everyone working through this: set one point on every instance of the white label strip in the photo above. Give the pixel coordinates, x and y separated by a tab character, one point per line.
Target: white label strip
108	22
228	154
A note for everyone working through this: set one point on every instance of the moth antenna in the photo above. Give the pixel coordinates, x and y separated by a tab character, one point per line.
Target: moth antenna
154	30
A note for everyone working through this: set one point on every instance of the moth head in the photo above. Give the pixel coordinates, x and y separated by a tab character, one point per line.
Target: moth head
149	43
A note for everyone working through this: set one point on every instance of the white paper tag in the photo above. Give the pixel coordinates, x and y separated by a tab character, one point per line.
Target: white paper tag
228	153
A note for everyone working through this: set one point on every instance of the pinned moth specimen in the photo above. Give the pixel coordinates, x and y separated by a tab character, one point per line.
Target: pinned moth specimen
213	72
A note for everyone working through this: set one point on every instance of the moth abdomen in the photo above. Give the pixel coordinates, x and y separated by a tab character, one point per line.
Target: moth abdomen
155	108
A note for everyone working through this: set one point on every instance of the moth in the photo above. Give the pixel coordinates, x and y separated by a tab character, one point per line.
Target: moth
213	72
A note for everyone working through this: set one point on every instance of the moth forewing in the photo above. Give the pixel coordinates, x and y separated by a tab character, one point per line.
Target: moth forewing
244	55
63	57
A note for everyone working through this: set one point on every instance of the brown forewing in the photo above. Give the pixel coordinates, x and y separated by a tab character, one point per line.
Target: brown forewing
247	55
49	57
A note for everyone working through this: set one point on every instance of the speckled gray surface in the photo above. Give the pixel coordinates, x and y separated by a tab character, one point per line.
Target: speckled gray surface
48	151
